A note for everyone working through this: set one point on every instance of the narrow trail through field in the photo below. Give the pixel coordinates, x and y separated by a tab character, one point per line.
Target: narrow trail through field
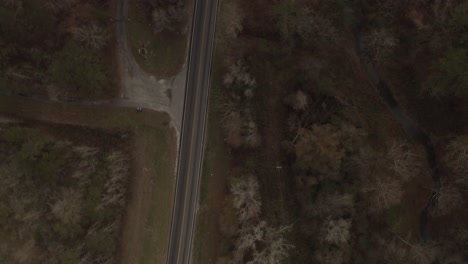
411	128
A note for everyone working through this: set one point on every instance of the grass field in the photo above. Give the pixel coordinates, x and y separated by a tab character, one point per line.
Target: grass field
166	51
212	195
157	224
145	234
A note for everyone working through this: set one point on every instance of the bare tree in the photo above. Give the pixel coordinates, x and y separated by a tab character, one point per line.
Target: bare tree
296	124
246	197
232	19
404	160
91	35
456	158
337	231
417	253
275	247
116	185
249	236
351	136
379	45
87	164
161	20
167	16
400	250
421	254
393	250
68	207
449	199
383	193
299	101
238	73
228	106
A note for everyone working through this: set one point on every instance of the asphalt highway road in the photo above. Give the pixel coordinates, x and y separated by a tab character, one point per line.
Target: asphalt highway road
190	159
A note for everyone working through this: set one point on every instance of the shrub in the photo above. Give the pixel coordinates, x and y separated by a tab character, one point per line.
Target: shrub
92	35
337	231
246	197
404	160
379	45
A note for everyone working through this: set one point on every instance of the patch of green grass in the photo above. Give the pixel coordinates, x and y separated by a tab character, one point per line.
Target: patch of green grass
158	222
215	165
166	51
202	221
67	71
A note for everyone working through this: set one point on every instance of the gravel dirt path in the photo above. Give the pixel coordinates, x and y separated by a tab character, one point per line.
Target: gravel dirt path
141	88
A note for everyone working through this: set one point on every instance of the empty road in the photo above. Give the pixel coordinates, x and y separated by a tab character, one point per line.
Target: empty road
190	159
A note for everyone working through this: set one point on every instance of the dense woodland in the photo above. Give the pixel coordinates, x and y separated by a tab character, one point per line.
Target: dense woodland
44	45
290	88
61	197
